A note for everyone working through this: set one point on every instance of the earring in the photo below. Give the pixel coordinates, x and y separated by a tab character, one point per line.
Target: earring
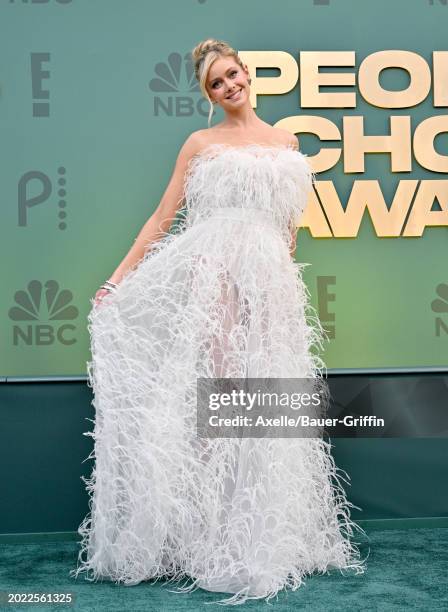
249	80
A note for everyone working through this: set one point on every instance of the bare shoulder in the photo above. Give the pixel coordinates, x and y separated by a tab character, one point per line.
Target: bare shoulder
287	137
190	147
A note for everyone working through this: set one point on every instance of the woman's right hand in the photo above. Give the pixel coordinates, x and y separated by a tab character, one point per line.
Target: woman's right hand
99	295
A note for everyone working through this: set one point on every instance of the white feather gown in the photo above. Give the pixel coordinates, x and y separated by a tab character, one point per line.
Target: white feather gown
218	297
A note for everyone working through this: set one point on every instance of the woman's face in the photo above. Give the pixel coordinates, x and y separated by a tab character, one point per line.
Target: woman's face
225	78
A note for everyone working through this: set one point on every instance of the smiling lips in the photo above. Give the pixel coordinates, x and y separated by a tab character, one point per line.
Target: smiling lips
234	95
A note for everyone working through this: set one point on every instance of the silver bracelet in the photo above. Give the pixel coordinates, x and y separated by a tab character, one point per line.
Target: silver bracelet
109	285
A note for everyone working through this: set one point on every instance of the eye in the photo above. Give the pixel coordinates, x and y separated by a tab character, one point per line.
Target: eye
217	82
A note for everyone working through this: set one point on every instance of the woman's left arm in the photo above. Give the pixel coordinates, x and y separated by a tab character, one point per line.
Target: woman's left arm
294	143
293	244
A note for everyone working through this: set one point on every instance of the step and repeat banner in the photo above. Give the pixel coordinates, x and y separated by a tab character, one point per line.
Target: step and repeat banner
97	97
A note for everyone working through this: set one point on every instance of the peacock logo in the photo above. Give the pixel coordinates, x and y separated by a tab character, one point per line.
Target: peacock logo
173	86
440	305
41	314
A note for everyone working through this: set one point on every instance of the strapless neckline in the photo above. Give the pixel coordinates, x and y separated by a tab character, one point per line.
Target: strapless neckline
208	150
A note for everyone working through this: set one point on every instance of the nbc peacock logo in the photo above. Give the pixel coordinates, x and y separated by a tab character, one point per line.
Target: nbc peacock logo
174	86
440	306
41	315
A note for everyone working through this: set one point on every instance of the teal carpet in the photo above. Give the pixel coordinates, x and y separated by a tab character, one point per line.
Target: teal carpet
407	570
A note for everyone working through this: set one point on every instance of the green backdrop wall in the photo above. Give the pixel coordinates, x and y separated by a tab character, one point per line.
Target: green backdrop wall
96	99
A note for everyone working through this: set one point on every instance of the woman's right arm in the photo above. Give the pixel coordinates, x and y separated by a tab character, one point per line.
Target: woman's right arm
161	220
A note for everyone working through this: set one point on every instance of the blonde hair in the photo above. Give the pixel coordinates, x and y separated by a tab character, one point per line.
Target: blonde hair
203	56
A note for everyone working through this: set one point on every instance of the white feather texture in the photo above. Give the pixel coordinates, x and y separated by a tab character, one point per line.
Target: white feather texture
219	296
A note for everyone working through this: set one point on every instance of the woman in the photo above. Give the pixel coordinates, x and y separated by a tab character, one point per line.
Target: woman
221	296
